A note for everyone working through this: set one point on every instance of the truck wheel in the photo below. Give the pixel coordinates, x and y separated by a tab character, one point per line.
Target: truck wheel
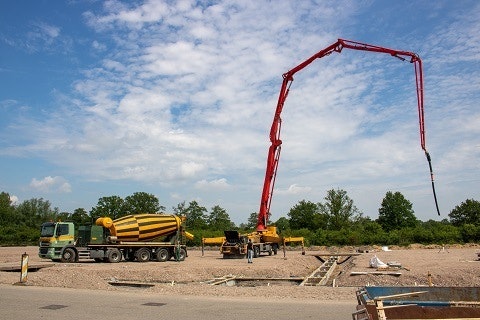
68	255
275	249
256	252
143	255
162	255
114	255
181	254
270	252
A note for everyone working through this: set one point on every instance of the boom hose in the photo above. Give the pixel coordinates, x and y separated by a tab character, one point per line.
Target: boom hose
429	159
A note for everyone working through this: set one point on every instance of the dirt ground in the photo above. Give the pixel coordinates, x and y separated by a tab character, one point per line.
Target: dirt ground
447	266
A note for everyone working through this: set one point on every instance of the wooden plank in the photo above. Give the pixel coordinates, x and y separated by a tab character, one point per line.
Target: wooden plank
131	284
222	280
377	273
269	279
332	254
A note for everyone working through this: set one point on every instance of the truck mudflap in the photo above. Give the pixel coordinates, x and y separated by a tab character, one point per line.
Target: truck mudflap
381	303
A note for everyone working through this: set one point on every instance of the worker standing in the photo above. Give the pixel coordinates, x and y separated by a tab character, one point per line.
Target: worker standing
250	251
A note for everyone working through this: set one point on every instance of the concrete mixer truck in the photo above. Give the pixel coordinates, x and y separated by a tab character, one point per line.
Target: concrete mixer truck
141	237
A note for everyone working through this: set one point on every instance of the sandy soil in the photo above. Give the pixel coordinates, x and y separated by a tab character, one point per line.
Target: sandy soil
449	266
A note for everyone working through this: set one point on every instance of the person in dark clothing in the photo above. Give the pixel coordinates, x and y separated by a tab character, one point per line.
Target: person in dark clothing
250	251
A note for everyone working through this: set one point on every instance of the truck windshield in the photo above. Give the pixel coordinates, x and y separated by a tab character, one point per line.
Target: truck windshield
47	229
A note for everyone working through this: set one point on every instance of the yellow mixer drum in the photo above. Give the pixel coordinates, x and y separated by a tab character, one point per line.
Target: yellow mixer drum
141	227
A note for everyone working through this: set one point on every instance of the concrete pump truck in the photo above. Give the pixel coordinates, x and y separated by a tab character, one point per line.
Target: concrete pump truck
266	238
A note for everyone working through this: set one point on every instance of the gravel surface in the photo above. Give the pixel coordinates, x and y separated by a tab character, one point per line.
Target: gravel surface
448	266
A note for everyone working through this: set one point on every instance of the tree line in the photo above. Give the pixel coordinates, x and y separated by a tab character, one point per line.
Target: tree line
333	221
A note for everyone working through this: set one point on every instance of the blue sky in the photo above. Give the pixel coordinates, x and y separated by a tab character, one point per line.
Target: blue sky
176	98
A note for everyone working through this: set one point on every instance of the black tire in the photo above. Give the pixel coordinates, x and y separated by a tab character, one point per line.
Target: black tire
143	255
114	255
68	255
270	252
162	255
275	249
181	255
256	252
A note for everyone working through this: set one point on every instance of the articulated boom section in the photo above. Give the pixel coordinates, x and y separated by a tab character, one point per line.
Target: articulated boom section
276	142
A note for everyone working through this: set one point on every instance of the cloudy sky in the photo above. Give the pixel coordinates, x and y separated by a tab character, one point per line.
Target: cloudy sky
176	98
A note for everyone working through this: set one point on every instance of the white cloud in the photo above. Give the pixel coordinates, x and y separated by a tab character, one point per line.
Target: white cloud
51	185
48	31
98	46
44	36
216	184
13	199
190	169
294	189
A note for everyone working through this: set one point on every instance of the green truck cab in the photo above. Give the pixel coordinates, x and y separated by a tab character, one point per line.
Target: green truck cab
56	237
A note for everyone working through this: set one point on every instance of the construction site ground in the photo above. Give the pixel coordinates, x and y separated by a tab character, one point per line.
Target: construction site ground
269	276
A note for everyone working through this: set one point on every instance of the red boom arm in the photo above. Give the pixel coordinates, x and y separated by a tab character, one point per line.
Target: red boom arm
276	143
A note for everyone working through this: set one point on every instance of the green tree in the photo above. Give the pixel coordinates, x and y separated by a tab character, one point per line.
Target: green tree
196	215
80	216
443	232
468	212
218	219
302	215
371	232
470	232
64	216
108	207
35	211
249	224
396	212
7	210
142	202
338	208
180	209
252	221
19	225
282	224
